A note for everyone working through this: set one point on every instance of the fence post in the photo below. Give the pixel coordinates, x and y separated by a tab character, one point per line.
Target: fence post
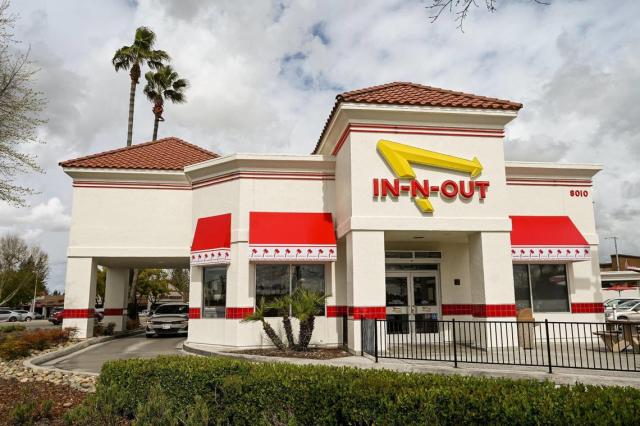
375	338
455	351
546	329
361	335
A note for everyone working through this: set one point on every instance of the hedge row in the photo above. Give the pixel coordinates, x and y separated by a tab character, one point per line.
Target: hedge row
238	392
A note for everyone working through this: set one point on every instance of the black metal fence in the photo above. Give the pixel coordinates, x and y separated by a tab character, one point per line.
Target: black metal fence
599	346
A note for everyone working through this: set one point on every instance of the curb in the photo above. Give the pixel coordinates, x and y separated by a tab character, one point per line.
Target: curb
559	378
35	362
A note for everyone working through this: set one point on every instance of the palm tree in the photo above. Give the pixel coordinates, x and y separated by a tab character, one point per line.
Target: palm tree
304	305
282	305
132	58
163	84
259	316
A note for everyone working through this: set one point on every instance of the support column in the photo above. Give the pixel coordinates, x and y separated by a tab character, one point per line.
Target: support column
195	292
116	295
492	291
365	280
80	295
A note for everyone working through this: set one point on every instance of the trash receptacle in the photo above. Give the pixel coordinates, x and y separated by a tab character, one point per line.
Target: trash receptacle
526	328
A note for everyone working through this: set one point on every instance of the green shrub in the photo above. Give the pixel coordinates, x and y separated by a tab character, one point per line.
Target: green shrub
28	413
12	328
238	392
21	344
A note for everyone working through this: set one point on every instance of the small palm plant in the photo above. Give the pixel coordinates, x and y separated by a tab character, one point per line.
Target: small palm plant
132	58
282	305
304	306
259	316
163	84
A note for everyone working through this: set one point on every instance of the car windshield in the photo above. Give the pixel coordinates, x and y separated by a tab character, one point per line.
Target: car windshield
172	309
628	305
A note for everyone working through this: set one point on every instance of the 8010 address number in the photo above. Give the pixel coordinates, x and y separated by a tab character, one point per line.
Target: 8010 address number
579	193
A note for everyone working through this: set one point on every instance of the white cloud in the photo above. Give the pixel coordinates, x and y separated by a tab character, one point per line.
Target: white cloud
264	76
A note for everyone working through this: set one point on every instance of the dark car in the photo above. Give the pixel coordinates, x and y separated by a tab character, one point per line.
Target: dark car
58	314
170	318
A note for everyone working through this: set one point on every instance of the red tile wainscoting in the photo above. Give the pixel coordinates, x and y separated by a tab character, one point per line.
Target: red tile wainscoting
367	312
336	311
587	308
238	313
78	313
486	311
194	313
114	312
457	309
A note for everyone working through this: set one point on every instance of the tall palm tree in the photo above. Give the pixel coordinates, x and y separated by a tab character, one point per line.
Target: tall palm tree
132	58
163	84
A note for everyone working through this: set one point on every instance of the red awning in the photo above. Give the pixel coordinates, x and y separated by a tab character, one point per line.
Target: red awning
212	240
547	238
278	236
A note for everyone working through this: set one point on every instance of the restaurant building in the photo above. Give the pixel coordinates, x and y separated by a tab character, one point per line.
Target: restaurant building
405	210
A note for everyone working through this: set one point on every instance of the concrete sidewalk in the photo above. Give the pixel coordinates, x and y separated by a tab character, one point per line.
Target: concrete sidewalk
561	376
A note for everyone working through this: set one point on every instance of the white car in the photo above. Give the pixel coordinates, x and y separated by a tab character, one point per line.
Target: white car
26	315
613	303
629	310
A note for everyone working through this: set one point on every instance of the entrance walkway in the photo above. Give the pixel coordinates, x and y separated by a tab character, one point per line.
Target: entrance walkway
91	359
559	376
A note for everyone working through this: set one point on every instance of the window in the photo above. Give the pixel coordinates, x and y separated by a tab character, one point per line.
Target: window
214	292
543	284
273	281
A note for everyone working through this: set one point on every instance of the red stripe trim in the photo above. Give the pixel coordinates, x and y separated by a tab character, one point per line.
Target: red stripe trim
78	313
367	312
577	181
238	313
566	185
114	312
194	313
480	310
414	130
337	310
587	308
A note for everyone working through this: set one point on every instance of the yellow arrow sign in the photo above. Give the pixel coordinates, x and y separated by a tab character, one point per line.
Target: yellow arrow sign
400	156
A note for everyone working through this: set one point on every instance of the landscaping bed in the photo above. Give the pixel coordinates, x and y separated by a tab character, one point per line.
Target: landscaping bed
36	402
311	353
220	390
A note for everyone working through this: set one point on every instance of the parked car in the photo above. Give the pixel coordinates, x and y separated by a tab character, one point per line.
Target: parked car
58	314
613	303
8	315
26	315
629	310
170	318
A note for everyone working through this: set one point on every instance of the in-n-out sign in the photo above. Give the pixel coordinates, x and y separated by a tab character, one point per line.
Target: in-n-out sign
400	157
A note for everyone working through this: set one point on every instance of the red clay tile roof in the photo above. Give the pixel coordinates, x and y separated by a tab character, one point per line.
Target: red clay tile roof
164	154
406	93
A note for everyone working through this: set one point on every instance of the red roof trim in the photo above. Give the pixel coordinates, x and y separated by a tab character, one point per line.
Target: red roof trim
545	231
164	154
407	93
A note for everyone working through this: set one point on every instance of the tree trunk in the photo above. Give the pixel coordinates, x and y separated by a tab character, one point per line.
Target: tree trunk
132	99
156	121
306	331
270	332
286	321
132	306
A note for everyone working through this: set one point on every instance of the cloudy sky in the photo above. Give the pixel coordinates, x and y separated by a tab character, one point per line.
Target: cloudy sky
264	76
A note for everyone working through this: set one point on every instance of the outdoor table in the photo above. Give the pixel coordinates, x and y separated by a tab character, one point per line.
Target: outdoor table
626	335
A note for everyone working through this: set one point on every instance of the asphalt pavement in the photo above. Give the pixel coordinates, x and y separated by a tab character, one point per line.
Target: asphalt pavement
91	359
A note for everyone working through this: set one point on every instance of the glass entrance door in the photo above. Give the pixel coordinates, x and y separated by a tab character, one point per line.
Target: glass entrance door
412	302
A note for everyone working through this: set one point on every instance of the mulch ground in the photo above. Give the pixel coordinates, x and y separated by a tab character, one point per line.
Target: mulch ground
63	398
312	353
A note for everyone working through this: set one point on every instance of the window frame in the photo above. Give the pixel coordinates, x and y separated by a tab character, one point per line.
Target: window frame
568	281
222	314
290	268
